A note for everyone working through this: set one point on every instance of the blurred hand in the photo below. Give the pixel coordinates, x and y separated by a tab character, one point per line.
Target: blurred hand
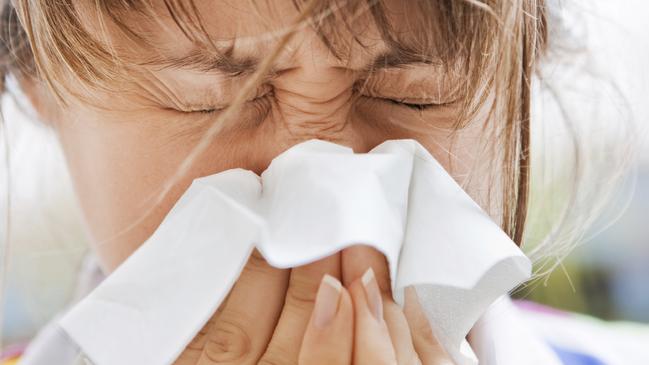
338	310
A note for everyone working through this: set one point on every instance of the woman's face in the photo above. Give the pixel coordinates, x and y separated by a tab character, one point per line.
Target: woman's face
121	156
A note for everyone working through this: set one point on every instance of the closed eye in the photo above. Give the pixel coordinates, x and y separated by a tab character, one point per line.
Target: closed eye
197	110
212	110
419	106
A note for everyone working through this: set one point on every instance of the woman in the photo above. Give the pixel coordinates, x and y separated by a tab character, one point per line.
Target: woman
146	96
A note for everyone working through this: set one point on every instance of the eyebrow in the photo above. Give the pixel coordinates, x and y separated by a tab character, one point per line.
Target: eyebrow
225	63
199	59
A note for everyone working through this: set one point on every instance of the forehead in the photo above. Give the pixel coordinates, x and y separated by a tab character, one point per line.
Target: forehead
351	30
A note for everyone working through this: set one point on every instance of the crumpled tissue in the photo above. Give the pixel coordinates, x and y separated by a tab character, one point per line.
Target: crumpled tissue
315	199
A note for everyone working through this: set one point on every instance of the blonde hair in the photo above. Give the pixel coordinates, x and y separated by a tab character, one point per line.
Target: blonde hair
497	43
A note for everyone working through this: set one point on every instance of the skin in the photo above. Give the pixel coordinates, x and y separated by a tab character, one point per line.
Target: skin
122	156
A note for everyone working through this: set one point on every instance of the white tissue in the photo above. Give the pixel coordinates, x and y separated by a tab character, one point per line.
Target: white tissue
314	199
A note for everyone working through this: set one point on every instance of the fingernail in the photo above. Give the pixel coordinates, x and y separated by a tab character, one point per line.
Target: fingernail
326	301
373	294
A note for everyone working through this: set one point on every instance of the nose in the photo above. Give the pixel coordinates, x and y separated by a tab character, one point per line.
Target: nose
314	101
314	98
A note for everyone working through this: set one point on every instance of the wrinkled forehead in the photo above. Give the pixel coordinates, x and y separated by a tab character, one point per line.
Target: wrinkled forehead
351	30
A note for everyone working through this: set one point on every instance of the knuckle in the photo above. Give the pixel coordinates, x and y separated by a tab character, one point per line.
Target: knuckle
300	295
198	342
227	341
257	265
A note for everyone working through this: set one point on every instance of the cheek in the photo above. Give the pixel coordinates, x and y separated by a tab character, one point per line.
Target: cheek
120	167
459	151
465	153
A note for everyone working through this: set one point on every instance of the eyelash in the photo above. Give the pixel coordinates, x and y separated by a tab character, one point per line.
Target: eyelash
214	110
413	106
205	111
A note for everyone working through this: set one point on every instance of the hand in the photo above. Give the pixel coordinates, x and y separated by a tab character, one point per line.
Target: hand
360	324
269	317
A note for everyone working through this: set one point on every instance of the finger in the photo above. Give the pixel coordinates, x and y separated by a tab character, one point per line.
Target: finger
428	348
240	330
329	336
355	262
372	343
284	346
357	259
399	332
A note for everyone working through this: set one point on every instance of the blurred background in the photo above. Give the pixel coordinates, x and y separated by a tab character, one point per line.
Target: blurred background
605	93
